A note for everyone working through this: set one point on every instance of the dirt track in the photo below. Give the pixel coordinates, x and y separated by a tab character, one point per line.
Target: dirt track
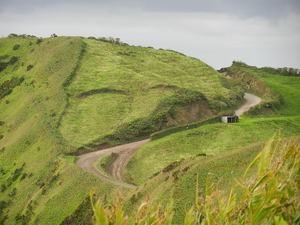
87	161
125	152
251	100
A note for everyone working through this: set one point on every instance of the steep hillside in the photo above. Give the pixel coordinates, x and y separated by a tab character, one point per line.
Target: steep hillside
36	177
67	94
121	93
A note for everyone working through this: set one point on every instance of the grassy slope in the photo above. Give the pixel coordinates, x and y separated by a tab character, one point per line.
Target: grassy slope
267	194
216	140
143	77
213	140
31	114
36	176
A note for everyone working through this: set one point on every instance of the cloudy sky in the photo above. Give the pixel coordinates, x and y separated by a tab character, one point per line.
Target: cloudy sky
258	32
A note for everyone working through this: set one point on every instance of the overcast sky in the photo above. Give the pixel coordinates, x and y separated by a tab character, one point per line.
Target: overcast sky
258	32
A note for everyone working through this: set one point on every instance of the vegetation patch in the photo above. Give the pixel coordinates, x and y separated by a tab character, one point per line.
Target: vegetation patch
16	47
7	86
286	71
29	67
99	91
12	61
71	76
82	215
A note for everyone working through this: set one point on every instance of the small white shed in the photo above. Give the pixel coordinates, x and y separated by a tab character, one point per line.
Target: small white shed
230	119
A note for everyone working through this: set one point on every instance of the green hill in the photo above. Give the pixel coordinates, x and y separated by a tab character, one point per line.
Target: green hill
69	94
166	167
123	92
66	95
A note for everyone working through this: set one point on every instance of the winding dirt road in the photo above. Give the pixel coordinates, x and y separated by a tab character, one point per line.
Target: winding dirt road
87	161
251	100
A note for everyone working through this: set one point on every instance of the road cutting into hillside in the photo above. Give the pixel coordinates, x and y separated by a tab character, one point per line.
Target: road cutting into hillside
251	101
87	161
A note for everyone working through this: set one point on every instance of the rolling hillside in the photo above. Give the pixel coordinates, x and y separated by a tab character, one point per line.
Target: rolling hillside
68	94
63	96
219	150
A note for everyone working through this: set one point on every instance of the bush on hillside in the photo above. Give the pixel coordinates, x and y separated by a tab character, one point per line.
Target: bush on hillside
12	61
286	71
110	40
29	67
272	196
12	35
40	40
7	86
16	47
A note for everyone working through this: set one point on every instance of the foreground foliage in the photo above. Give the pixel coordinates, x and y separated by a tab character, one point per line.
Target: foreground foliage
272	196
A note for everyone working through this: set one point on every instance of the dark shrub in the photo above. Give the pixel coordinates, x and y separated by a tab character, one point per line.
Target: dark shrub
171	166
12	61
7	86
24	175
1	136
29	67
16	47
12	35
3	205
40	40
2	187
2	123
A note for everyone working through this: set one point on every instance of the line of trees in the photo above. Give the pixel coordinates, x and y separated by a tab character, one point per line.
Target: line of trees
286	71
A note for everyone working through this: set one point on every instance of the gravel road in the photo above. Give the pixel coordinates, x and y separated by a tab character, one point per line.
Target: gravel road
251	100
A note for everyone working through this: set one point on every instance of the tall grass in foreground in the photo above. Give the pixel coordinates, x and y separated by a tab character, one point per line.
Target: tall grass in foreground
271	196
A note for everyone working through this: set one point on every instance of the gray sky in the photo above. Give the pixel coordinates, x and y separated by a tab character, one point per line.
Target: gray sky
258	32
